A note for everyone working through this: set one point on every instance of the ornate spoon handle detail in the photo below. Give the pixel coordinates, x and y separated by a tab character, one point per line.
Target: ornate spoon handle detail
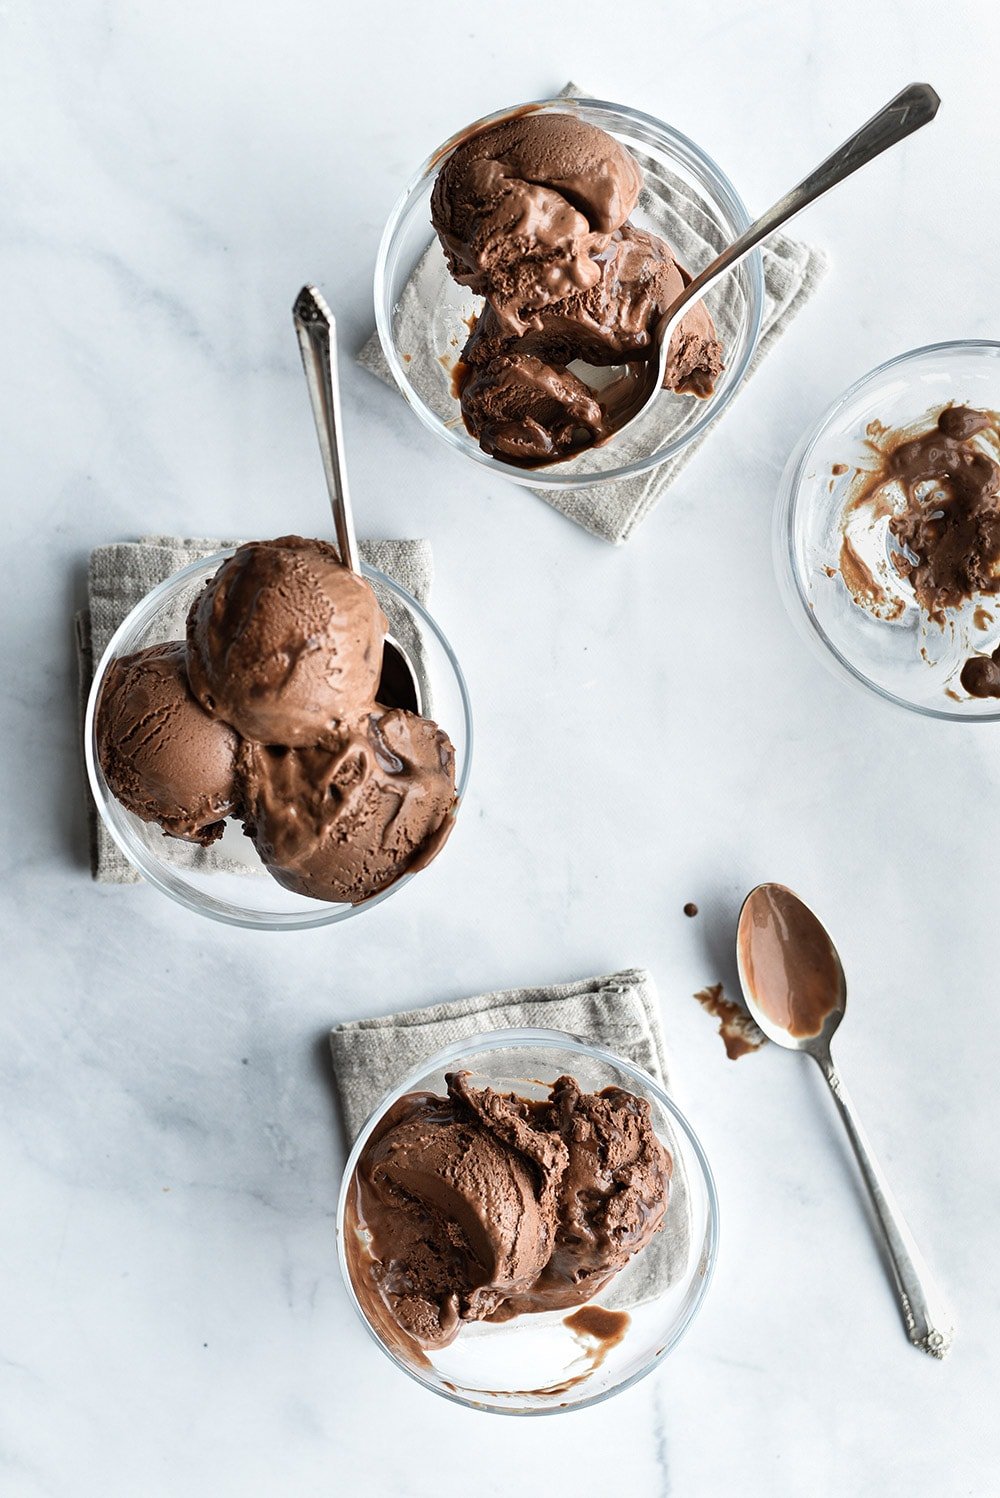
928	1321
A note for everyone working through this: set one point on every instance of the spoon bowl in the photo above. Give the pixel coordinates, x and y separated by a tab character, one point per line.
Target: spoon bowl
791	974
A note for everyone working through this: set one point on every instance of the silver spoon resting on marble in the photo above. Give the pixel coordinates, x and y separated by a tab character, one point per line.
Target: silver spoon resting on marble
795	989
399	685
915	106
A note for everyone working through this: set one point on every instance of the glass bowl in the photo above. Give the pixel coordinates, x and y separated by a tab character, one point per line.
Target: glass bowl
534	1364
244	894
423	315
908	660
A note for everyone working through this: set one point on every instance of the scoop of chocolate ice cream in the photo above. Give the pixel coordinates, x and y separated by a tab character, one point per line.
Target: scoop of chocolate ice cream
519	399
528	411
163	756
522	206
458	1195
612	1195
614	320
343	821
532	213
284	642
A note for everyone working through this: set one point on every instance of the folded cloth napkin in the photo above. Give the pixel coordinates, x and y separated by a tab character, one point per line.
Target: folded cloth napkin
618	1012
612	510
121	574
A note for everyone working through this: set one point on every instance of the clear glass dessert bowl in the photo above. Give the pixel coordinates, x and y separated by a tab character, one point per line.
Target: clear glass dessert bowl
907	658
423	316
537	1363
228	882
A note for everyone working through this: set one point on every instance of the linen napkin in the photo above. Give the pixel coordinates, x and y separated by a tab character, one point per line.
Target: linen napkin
121	574
612	510
618	1011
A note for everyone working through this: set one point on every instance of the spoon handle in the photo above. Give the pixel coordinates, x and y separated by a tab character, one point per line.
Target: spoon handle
928	1321
317	333
916	105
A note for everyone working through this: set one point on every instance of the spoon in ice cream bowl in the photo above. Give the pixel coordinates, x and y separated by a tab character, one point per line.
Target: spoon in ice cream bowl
794	985
317	333
915	106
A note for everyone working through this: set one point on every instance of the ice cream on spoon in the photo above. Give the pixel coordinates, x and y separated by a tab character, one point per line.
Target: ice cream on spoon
532	211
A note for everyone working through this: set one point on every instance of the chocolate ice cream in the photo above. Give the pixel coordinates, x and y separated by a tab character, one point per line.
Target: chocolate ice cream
284	642
532	213
341	795
163	756
946	523
949	529
613	321
461	1207
529	412
522	206
345	820
482	1205
611	1198
981	675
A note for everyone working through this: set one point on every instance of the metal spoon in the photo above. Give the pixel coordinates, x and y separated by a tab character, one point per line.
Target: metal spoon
795	989
908	111
399	685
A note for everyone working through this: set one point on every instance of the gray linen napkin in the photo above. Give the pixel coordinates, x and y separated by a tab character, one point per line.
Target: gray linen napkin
612	510
618	1011
122	573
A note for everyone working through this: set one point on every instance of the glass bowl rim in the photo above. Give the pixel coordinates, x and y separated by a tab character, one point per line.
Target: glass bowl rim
788	509
544	478
541	1039
139	617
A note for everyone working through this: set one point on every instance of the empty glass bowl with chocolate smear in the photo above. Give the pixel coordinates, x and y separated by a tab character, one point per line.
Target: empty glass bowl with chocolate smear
527	1224
521	276
887	532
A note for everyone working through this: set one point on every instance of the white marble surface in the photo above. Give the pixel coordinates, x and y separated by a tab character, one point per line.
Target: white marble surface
651	731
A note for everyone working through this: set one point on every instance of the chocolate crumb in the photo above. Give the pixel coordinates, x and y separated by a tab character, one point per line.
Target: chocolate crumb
740	1034
981	675
690	908
945	530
